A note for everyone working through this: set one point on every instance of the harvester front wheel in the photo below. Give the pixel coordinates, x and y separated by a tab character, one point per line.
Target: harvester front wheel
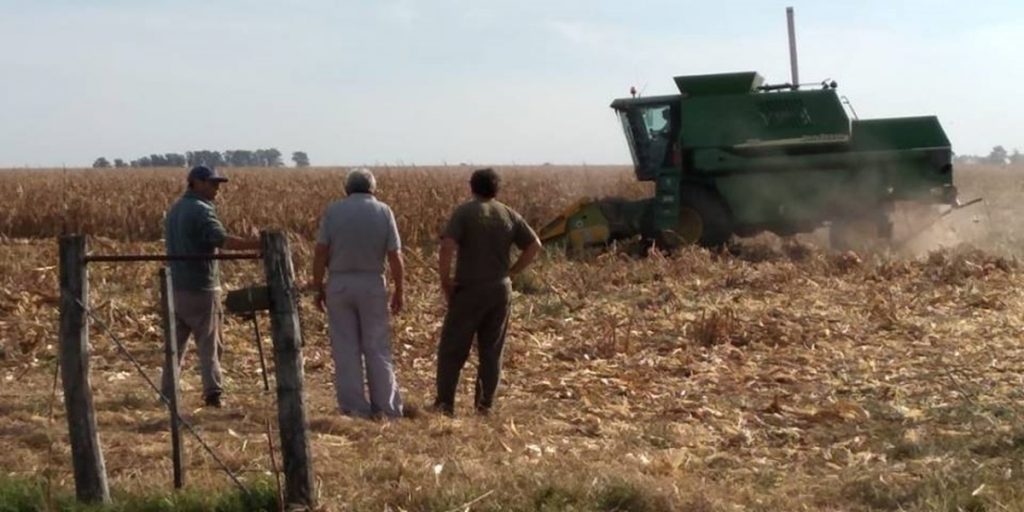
702	219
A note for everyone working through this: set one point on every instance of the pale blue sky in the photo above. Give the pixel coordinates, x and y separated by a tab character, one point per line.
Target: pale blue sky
428	82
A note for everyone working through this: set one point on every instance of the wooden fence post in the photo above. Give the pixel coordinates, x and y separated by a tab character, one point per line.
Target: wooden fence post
287	336
171	363
86	453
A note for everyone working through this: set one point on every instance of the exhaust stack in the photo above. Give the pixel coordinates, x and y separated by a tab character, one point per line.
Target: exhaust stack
792	49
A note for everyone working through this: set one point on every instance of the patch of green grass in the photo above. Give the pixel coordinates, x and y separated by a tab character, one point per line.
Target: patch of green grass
528	492
941	494
961	488
623	496
25	495
556	498
442	499
1009	446
879	494
529	283
910	448
550	306
660	435
18	496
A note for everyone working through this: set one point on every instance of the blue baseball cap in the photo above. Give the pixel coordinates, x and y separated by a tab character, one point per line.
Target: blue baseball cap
204	173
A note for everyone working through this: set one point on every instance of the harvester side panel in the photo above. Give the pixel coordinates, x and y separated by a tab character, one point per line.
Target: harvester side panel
800	199
914	152
765	120
899	133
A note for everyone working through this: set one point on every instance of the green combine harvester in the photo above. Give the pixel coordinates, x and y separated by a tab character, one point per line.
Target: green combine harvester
730	155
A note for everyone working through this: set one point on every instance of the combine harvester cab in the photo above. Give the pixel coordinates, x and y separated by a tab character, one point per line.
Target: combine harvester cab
729	155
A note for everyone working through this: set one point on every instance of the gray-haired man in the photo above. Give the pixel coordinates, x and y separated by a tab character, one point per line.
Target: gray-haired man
356	235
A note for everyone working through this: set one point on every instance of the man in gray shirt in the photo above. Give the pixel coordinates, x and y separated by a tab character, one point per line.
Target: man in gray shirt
192	228
356	235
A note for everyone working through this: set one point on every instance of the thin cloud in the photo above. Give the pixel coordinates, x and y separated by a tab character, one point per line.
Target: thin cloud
416	80
579	32
404	12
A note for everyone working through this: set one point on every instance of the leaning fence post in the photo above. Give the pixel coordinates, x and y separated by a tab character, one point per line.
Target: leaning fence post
287	336
171	365
86	453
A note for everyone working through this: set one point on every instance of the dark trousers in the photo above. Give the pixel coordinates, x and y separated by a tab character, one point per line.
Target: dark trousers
480	310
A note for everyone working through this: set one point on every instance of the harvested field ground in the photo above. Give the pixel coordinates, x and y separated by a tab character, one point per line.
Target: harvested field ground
782	376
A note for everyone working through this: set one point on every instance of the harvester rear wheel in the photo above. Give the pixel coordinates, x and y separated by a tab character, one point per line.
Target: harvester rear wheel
702	219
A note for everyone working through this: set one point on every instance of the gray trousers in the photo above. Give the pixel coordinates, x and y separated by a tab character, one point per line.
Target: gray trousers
197	313
359	326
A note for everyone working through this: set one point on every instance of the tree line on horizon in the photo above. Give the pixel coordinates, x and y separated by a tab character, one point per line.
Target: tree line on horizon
271	157
998	156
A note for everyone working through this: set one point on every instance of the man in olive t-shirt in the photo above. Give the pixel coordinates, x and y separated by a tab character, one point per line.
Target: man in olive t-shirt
481	232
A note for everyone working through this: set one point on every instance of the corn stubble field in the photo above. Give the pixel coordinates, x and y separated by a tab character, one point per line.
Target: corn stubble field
777	376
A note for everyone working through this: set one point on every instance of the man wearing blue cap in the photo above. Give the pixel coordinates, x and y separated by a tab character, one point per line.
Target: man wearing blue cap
192	227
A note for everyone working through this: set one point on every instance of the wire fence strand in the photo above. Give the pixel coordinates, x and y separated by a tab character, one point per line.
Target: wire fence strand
164	399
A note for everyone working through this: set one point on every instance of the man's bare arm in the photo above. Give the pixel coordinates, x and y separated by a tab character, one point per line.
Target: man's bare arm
320	256
444	264
525	258
397	266
237	243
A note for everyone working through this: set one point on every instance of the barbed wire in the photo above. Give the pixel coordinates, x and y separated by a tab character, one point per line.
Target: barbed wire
124	350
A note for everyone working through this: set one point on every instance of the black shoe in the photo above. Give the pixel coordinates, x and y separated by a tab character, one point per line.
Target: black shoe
213	400
443	408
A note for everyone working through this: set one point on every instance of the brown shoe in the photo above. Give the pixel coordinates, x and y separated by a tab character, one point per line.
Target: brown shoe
410	412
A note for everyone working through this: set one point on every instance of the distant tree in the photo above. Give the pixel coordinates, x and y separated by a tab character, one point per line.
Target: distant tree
268	158
274	158
968	159
101	163
119	163
204	157
300	158
230	158
1016	157
997	156
175	160
240	158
